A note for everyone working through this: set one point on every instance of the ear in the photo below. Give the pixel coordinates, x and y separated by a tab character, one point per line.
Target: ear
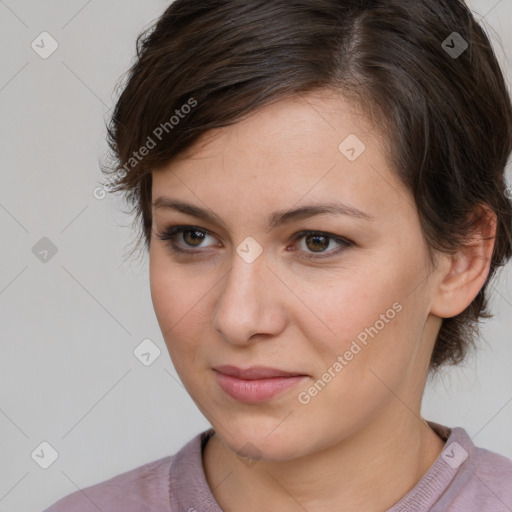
464	273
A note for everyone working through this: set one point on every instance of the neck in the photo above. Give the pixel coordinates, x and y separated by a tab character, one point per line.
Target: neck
369	470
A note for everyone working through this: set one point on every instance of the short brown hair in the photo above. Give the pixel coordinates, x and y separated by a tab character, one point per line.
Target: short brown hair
425	68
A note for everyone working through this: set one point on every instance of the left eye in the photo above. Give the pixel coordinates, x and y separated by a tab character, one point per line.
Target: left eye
318	243
315	241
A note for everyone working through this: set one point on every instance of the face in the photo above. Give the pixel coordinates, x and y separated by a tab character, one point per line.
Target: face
339	299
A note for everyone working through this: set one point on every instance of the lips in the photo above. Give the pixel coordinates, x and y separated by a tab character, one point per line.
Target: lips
255	384
255	372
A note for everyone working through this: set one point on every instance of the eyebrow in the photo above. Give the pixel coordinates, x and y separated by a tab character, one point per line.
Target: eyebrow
276	219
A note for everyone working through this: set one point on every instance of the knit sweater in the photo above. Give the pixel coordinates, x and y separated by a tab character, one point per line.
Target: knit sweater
463	478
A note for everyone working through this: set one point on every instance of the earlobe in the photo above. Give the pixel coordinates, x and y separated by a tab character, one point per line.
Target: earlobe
467	270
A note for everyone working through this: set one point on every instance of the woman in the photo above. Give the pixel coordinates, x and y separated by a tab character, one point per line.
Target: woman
320	186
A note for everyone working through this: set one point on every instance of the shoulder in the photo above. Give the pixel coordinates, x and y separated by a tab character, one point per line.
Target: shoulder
141	489
485	484
493	463
493	472
158	485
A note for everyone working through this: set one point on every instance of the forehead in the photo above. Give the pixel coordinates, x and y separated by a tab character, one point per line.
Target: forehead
304	125
307	148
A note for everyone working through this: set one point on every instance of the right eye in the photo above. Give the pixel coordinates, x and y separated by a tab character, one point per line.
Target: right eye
191	235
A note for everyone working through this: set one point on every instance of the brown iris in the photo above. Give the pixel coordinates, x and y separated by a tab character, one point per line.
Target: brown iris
197	236
322	246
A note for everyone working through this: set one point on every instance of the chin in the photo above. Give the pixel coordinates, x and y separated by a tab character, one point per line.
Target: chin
255	439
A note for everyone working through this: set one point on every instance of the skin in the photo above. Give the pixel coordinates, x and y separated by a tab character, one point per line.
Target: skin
360	443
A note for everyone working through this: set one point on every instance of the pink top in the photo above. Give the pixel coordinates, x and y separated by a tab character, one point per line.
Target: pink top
463	478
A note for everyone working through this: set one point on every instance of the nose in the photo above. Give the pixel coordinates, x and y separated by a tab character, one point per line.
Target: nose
249	303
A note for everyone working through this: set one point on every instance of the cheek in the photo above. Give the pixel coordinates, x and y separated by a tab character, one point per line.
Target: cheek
180	301
371	320
164	294
351	305
174	289
170	295
358	372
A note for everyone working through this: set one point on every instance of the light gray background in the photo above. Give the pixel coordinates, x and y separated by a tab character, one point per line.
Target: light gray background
69	326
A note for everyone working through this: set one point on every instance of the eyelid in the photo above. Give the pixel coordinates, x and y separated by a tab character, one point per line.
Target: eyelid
170	233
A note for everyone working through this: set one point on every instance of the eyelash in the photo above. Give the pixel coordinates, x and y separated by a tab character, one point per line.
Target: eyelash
170	234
